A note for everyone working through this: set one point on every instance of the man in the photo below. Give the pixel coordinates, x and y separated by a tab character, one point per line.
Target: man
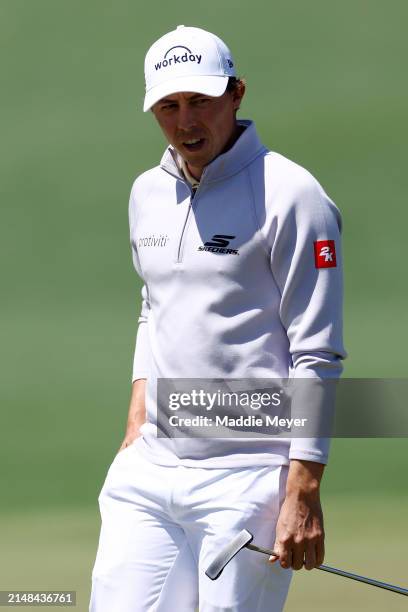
239	251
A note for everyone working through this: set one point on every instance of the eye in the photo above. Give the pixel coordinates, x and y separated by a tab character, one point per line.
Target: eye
199	102
168	106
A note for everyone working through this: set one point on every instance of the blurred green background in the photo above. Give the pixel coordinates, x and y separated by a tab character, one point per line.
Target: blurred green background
326	88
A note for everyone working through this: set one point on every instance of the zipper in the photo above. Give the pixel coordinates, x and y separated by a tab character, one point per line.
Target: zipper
193	197
179	250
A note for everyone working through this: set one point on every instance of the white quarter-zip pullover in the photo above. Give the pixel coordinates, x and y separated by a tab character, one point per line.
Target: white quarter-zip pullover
268	304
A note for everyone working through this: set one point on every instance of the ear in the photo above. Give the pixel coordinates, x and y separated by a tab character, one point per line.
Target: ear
238	94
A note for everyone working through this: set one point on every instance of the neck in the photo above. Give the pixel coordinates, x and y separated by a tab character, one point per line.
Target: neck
195	172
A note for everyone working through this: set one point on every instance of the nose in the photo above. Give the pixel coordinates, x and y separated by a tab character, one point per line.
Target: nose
186	116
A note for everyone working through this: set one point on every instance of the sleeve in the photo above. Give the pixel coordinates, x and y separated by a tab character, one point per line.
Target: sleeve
306	262
141	357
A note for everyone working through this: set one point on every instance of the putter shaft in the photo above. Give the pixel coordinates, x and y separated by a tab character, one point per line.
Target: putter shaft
377	583
339	572
261	549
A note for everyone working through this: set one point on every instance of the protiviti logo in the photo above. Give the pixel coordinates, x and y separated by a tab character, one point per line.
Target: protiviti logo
218	244
183	55
153	241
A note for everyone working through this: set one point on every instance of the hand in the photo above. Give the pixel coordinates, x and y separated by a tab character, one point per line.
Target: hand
137	413
299	532
131	434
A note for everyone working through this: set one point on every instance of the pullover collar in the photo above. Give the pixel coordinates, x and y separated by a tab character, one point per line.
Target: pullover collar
246	148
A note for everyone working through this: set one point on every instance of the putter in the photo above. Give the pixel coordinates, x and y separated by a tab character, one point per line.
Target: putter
244	539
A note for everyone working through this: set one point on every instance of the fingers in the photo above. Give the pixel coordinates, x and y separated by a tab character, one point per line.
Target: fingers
319	552
292	555
310	556
285	557
283	554
296	556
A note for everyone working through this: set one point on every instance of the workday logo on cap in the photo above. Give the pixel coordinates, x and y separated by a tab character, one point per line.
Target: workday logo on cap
176	58
187	59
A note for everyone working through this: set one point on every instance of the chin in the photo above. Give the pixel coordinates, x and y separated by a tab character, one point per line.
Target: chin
197	160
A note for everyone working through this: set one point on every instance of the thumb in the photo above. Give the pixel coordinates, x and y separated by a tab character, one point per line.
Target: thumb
275	556
123	446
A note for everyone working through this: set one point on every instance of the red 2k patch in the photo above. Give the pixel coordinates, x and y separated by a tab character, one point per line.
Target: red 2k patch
325	254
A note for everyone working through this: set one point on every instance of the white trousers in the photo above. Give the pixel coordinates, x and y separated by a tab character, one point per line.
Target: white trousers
162	526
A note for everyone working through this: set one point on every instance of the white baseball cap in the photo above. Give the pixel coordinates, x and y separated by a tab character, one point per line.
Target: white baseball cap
187	59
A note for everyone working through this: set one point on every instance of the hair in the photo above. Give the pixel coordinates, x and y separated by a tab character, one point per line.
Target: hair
234	83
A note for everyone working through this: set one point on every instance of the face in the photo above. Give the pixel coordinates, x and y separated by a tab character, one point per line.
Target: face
200	127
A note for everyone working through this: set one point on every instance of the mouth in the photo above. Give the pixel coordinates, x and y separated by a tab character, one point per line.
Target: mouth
193	144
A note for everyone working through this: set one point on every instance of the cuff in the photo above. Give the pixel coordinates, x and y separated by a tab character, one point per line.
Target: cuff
310	449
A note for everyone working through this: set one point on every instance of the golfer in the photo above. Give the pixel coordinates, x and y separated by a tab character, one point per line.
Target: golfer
240	255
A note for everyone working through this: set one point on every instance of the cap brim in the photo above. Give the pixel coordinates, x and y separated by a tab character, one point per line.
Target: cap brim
209	85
